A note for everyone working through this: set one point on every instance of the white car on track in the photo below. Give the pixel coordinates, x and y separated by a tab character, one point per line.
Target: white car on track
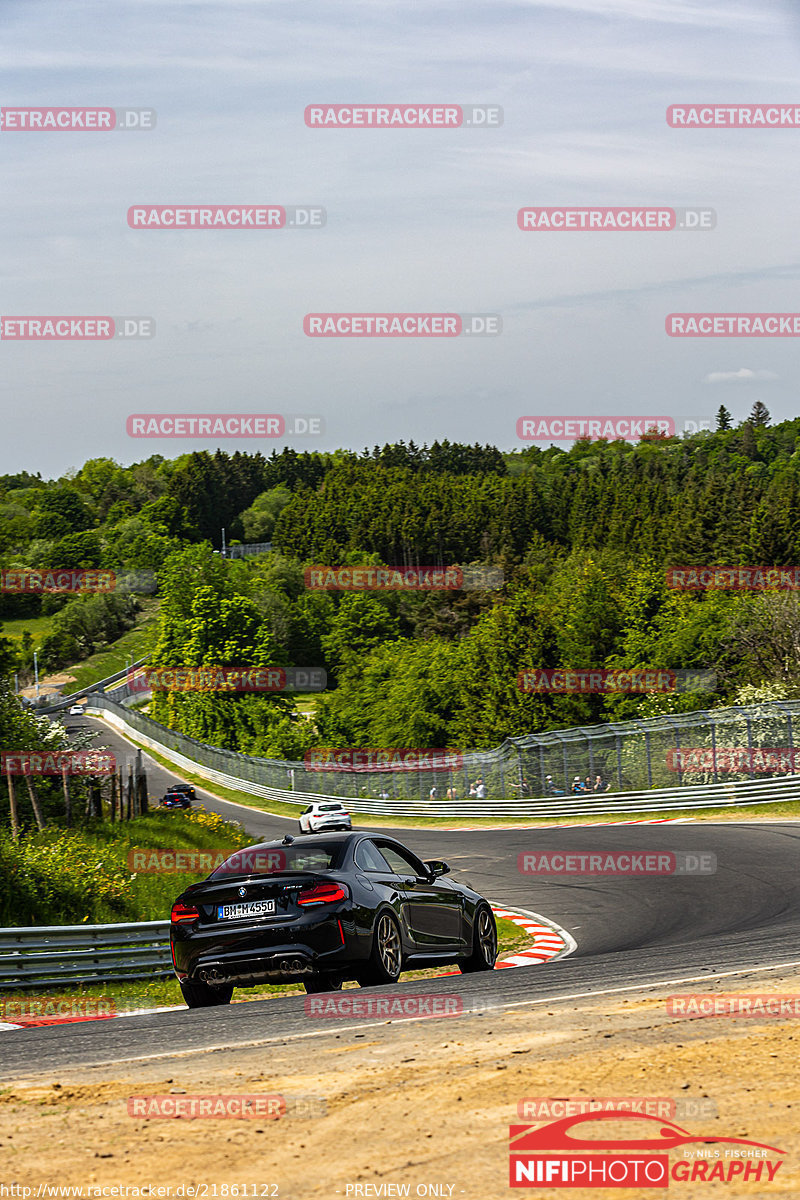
323	816
76	710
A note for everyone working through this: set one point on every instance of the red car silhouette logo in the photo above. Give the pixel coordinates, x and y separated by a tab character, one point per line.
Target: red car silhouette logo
666	1135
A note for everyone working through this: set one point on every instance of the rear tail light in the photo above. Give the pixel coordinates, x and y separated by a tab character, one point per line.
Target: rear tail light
184	912
323	893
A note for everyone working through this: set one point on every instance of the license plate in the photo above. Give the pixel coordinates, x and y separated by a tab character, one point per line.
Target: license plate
253	908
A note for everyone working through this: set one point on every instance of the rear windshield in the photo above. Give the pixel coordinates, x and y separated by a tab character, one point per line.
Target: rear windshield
270	859
329	808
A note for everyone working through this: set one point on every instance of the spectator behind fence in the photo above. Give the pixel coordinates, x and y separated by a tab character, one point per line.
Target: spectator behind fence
480	791
577	788
550	788
587	784
600	784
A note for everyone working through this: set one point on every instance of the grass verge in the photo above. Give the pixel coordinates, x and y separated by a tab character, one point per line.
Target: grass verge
70	876
137	642
38	627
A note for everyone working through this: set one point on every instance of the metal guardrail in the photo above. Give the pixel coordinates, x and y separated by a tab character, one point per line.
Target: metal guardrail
46	955
715	795
101	685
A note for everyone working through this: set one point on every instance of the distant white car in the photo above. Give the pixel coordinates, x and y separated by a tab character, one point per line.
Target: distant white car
324	816
76	710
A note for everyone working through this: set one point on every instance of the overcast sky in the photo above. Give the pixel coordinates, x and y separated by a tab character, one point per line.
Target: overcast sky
417	220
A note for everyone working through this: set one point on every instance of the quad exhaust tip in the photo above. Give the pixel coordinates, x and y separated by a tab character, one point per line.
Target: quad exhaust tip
290	964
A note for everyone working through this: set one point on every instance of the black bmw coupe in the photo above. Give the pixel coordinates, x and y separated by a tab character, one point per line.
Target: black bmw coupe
322	910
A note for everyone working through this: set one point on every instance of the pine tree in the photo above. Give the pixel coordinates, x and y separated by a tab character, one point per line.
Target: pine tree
759	416
724	419
749	447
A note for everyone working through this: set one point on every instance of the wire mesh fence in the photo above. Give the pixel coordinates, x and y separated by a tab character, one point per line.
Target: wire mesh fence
681	750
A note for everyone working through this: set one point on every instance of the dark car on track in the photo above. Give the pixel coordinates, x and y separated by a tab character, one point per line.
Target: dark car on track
175	800
186	788
321	910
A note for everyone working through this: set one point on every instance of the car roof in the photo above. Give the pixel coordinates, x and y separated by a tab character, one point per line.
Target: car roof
348	836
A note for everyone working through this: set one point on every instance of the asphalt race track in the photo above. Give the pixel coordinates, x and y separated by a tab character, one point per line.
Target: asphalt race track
630	932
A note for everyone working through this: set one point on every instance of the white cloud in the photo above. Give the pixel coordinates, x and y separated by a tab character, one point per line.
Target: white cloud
743	375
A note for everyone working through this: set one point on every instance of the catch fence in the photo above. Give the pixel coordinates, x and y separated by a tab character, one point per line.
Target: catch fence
639	762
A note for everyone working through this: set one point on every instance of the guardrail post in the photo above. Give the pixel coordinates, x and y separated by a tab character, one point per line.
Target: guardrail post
618	743
141	786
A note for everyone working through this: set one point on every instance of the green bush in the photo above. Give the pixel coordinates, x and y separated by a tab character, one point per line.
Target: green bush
67	877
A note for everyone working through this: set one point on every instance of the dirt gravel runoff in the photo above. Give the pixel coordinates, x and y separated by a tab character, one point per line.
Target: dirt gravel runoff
419	1108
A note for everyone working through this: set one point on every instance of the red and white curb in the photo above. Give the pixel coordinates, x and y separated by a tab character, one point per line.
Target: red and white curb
40	1022
549	940
646	821
577	824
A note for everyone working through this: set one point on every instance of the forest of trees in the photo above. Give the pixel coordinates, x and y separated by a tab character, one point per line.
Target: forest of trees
582	537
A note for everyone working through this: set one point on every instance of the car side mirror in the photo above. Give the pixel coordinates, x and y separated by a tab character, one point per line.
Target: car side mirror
436	868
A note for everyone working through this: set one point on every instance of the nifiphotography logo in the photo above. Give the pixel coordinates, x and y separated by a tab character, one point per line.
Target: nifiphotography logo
553	1156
